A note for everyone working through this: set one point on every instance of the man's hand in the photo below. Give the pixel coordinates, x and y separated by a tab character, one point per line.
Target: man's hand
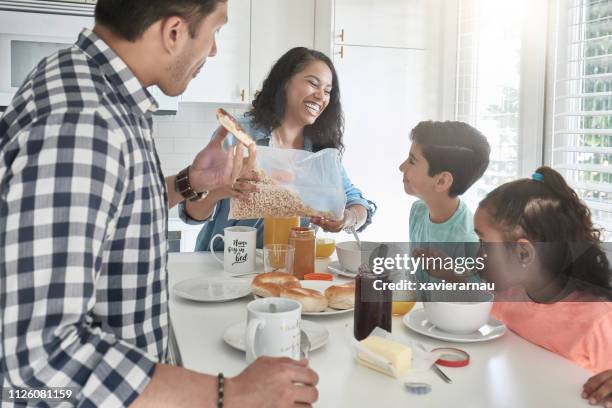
598	389
273	383
241	188
215	168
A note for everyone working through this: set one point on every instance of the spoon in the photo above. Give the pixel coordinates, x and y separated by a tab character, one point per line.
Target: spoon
354	232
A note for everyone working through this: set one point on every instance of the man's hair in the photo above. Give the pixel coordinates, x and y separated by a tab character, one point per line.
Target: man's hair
455	147
130	19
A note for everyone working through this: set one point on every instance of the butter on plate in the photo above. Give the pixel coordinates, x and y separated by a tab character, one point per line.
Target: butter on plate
397	356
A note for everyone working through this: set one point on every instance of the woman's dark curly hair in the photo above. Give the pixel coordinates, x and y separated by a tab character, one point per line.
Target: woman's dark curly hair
548	212
269	105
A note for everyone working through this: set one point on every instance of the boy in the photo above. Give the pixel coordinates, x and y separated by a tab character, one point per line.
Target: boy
446	158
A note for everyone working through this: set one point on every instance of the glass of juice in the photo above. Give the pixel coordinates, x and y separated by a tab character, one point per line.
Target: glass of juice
277	229
403	302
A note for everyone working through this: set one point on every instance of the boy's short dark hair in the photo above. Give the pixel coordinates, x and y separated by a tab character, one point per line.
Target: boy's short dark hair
455	147
130	19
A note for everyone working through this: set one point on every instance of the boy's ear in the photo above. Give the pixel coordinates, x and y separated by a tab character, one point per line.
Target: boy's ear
525	252
444	181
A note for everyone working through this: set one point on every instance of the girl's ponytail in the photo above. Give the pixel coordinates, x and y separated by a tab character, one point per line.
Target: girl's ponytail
545	210
570	202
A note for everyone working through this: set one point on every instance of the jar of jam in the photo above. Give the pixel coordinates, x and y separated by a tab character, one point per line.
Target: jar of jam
372	303
303	240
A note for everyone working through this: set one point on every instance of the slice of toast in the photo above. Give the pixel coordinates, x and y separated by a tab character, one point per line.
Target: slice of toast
231	124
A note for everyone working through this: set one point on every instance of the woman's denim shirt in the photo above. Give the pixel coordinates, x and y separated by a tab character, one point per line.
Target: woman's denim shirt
217	222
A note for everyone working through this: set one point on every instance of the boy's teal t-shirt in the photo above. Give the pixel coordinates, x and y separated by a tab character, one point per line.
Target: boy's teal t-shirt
458	228
448	237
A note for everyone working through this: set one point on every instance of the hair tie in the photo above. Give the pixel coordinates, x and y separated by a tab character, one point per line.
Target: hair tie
537	176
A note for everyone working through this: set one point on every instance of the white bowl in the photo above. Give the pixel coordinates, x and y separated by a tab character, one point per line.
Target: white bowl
459	317
351	257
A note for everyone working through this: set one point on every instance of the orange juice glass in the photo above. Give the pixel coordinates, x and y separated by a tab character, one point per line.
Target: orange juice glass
277	229
403	302
400	308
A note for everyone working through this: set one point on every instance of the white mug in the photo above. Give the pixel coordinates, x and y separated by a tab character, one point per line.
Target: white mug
238	249
273	328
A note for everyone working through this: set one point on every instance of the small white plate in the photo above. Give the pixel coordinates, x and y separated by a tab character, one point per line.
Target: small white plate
212	289
417	321
320	286
317	334
339	270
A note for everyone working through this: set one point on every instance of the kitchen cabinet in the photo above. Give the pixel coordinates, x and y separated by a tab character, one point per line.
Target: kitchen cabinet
276	27
225	77
258	33
386	57
390	23
383	96
26	38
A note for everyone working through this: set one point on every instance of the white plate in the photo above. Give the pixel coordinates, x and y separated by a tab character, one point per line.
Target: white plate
320	286
317	334
339	270
212	289
417	321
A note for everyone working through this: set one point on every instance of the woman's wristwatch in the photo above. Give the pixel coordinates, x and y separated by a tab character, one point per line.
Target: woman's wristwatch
183	187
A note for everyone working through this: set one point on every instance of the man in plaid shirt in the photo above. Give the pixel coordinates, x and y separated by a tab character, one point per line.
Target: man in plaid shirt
83	210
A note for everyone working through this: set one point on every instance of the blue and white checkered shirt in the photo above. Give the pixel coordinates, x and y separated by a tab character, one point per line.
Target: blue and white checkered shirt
83	216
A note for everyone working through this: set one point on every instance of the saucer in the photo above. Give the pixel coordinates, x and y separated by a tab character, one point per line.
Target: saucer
417	321
212	289
317	334
339	270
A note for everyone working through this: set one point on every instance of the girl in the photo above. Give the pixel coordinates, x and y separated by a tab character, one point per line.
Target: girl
544	256
297	108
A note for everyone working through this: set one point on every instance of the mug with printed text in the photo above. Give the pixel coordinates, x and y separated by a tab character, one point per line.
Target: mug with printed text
239	249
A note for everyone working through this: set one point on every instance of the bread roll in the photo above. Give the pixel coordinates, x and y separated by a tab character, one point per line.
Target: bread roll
341	296
269	284
311	300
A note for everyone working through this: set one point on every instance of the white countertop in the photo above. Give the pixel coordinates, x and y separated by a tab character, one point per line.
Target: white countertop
506	372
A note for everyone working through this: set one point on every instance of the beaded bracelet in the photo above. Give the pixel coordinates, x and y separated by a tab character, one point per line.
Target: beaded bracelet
220	390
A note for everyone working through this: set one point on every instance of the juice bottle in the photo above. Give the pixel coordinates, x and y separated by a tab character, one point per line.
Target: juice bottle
277	229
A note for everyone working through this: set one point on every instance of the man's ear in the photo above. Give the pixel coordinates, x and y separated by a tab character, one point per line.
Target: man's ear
174	32
444	181
525	252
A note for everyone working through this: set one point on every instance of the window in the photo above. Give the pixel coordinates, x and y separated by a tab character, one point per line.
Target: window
495	65
582	107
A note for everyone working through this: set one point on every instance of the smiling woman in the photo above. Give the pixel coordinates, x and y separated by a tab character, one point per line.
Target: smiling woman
297	108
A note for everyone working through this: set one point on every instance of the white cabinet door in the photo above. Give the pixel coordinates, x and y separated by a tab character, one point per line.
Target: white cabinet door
225	77
385	23
276	27
384	95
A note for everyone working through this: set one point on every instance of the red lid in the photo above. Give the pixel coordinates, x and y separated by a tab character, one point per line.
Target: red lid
318	276
452	357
